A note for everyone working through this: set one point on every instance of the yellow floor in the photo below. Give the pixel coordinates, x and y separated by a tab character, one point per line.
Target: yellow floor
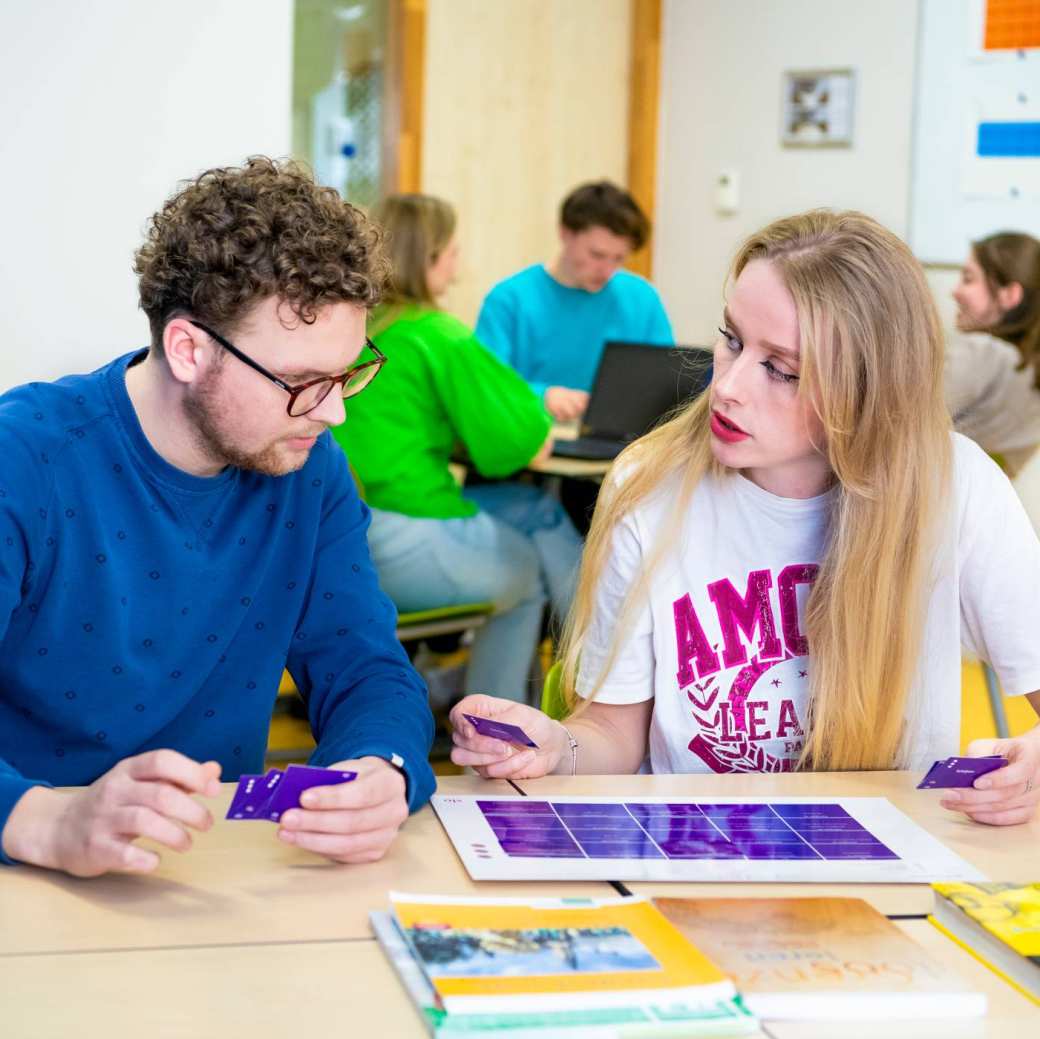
289	734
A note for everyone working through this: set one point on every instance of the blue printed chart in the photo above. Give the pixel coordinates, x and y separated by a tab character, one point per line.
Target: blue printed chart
796	840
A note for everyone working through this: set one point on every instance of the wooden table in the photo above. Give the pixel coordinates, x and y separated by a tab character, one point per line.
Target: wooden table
243	936
239	885
320	988
1002	853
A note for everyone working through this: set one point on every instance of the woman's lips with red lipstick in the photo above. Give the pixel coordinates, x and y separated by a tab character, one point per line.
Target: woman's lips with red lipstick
726	429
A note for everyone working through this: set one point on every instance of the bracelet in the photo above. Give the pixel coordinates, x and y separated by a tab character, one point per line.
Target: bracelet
574	749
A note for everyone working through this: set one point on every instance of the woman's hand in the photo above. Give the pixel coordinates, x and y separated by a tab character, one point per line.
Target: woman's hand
1008	795
496	759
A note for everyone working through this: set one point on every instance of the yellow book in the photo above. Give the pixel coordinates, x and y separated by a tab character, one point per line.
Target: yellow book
999	924
821	959
494	955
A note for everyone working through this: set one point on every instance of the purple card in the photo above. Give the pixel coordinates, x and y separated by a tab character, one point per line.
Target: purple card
500	730
297	779
243	804
959	772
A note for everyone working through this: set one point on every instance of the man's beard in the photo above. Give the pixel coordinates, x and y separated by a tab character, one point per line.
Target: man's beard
202	407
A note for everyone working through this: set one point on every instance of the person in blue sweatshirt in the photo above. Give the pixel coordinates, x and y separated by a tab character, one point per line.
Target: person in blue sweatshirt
178	526
550	321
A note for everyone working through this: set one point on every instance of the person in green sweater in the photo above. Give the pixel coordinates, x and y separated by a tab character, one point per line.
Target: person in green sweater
433	542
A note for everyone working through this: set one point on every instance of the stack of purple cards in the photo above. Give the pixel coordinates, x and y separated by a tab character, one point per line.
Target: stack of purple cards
266	797
953	772
500	730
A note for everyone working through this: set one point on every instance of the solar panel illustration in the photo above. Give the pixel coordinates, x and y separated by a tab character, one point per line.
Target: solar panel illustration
546	829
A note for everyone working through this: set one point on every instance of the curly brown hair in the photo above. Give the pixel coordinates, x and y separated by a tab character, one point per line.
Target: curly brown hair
237	235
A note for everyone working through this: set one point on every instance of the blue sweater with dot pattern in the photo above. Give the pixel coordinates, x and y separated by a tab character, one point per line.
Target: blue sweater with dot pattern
144	607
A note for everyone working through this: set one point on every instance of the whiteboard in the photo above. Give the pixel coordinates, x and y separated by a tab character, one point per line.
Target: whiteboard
976	151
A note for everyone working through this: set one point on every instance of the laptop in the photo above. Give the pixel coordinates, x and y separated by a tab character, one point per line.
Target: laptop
636	385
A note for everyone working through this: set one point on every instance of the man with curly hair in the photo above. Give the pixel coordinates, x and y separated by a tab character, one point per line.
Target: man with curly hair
178	526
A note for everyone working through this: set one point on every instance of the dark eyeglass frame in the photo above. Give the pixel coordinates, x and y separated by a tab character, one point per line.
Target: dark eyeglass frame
295	391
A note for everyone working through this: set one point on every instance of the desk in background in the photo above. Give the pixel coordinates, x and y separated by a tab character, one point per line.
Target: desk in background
570	468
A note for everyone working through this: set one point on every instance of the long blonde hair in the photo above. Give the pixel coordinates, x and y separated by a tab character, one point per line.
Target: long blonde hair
871	348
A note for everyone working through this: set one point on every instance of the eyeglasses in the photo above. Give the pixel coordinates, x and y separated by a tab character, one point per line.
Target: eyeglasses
308	395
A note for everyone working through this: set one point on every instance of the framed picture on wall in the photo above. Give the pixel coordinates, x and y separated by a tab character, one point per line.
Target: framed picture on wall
817	108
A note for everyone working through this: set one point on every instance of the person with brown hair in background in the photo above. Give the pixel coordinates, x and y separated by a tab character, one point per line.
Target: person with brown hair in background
550	321
993	368
433	542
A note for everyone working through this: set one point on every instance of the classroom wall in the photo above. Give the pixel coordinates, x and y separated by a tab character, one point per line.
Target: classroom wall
104	107
722	62
523	100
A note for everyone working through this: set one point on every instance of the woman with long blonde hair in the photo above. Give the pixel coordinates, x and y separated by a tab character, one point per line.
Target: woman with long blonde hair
781	576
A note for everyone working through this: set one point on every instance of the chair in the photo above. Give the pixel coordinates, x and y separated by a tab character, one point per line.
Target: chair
444	620
996	702
291	739
553	702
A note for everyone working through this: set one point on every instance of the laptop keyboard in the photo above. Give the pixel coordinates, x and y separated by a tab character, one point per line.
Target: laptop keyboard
588	447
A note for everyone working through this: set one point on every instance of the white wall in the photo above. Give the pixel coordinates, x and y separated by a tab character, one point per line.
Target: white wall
104	106
722	63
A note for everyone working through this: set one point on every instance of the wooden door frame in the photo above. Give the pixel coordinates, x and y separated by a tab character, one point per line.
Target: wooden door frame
403	95
644	94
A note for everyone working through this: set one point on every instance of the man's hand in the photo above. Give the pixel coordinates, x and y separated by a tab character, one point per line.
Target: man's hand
350	822
565	404
91	831
1010	794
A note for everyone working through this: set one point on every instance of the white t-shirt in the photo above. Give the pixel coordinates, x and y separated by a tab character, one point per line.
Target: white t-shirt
720	646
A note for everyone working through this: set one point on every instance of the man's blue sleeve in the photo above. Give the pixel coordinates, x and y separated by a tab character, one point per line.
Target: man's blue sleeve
20	530
363	695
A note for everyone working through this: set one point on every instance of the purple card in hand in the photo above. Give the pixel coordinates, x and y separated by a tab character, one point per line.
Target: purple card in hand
500	730
959	772
243	804
297	779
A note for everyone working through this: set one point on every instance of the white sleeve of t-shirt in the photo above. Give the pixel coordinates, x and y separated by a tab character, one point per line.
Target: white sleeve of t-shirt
631	675
999	557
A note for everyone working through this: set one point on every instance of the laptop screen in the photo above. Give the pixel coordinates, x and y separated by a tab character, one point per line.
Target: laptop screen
638	383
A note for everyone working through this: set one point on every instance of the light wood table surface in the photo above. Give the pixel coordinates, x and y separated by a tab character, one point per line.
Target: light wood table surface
319	988
1002	853
277	991
238	885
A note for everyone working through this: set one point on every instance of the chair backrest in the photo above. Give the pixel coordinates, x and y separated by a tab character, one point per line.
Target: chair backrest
553	703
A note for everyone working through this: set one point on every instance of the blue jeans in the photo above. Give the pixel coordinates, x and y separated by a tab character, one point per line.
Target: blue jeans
519	552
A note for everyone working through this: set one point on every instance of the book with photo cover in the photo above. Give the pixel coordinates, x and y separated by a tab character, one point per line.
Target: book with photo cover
597	968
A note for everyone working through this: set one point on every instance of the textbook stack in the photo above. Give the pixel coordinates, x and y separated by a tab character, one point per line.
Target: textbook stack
527	969
821	959
999	924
